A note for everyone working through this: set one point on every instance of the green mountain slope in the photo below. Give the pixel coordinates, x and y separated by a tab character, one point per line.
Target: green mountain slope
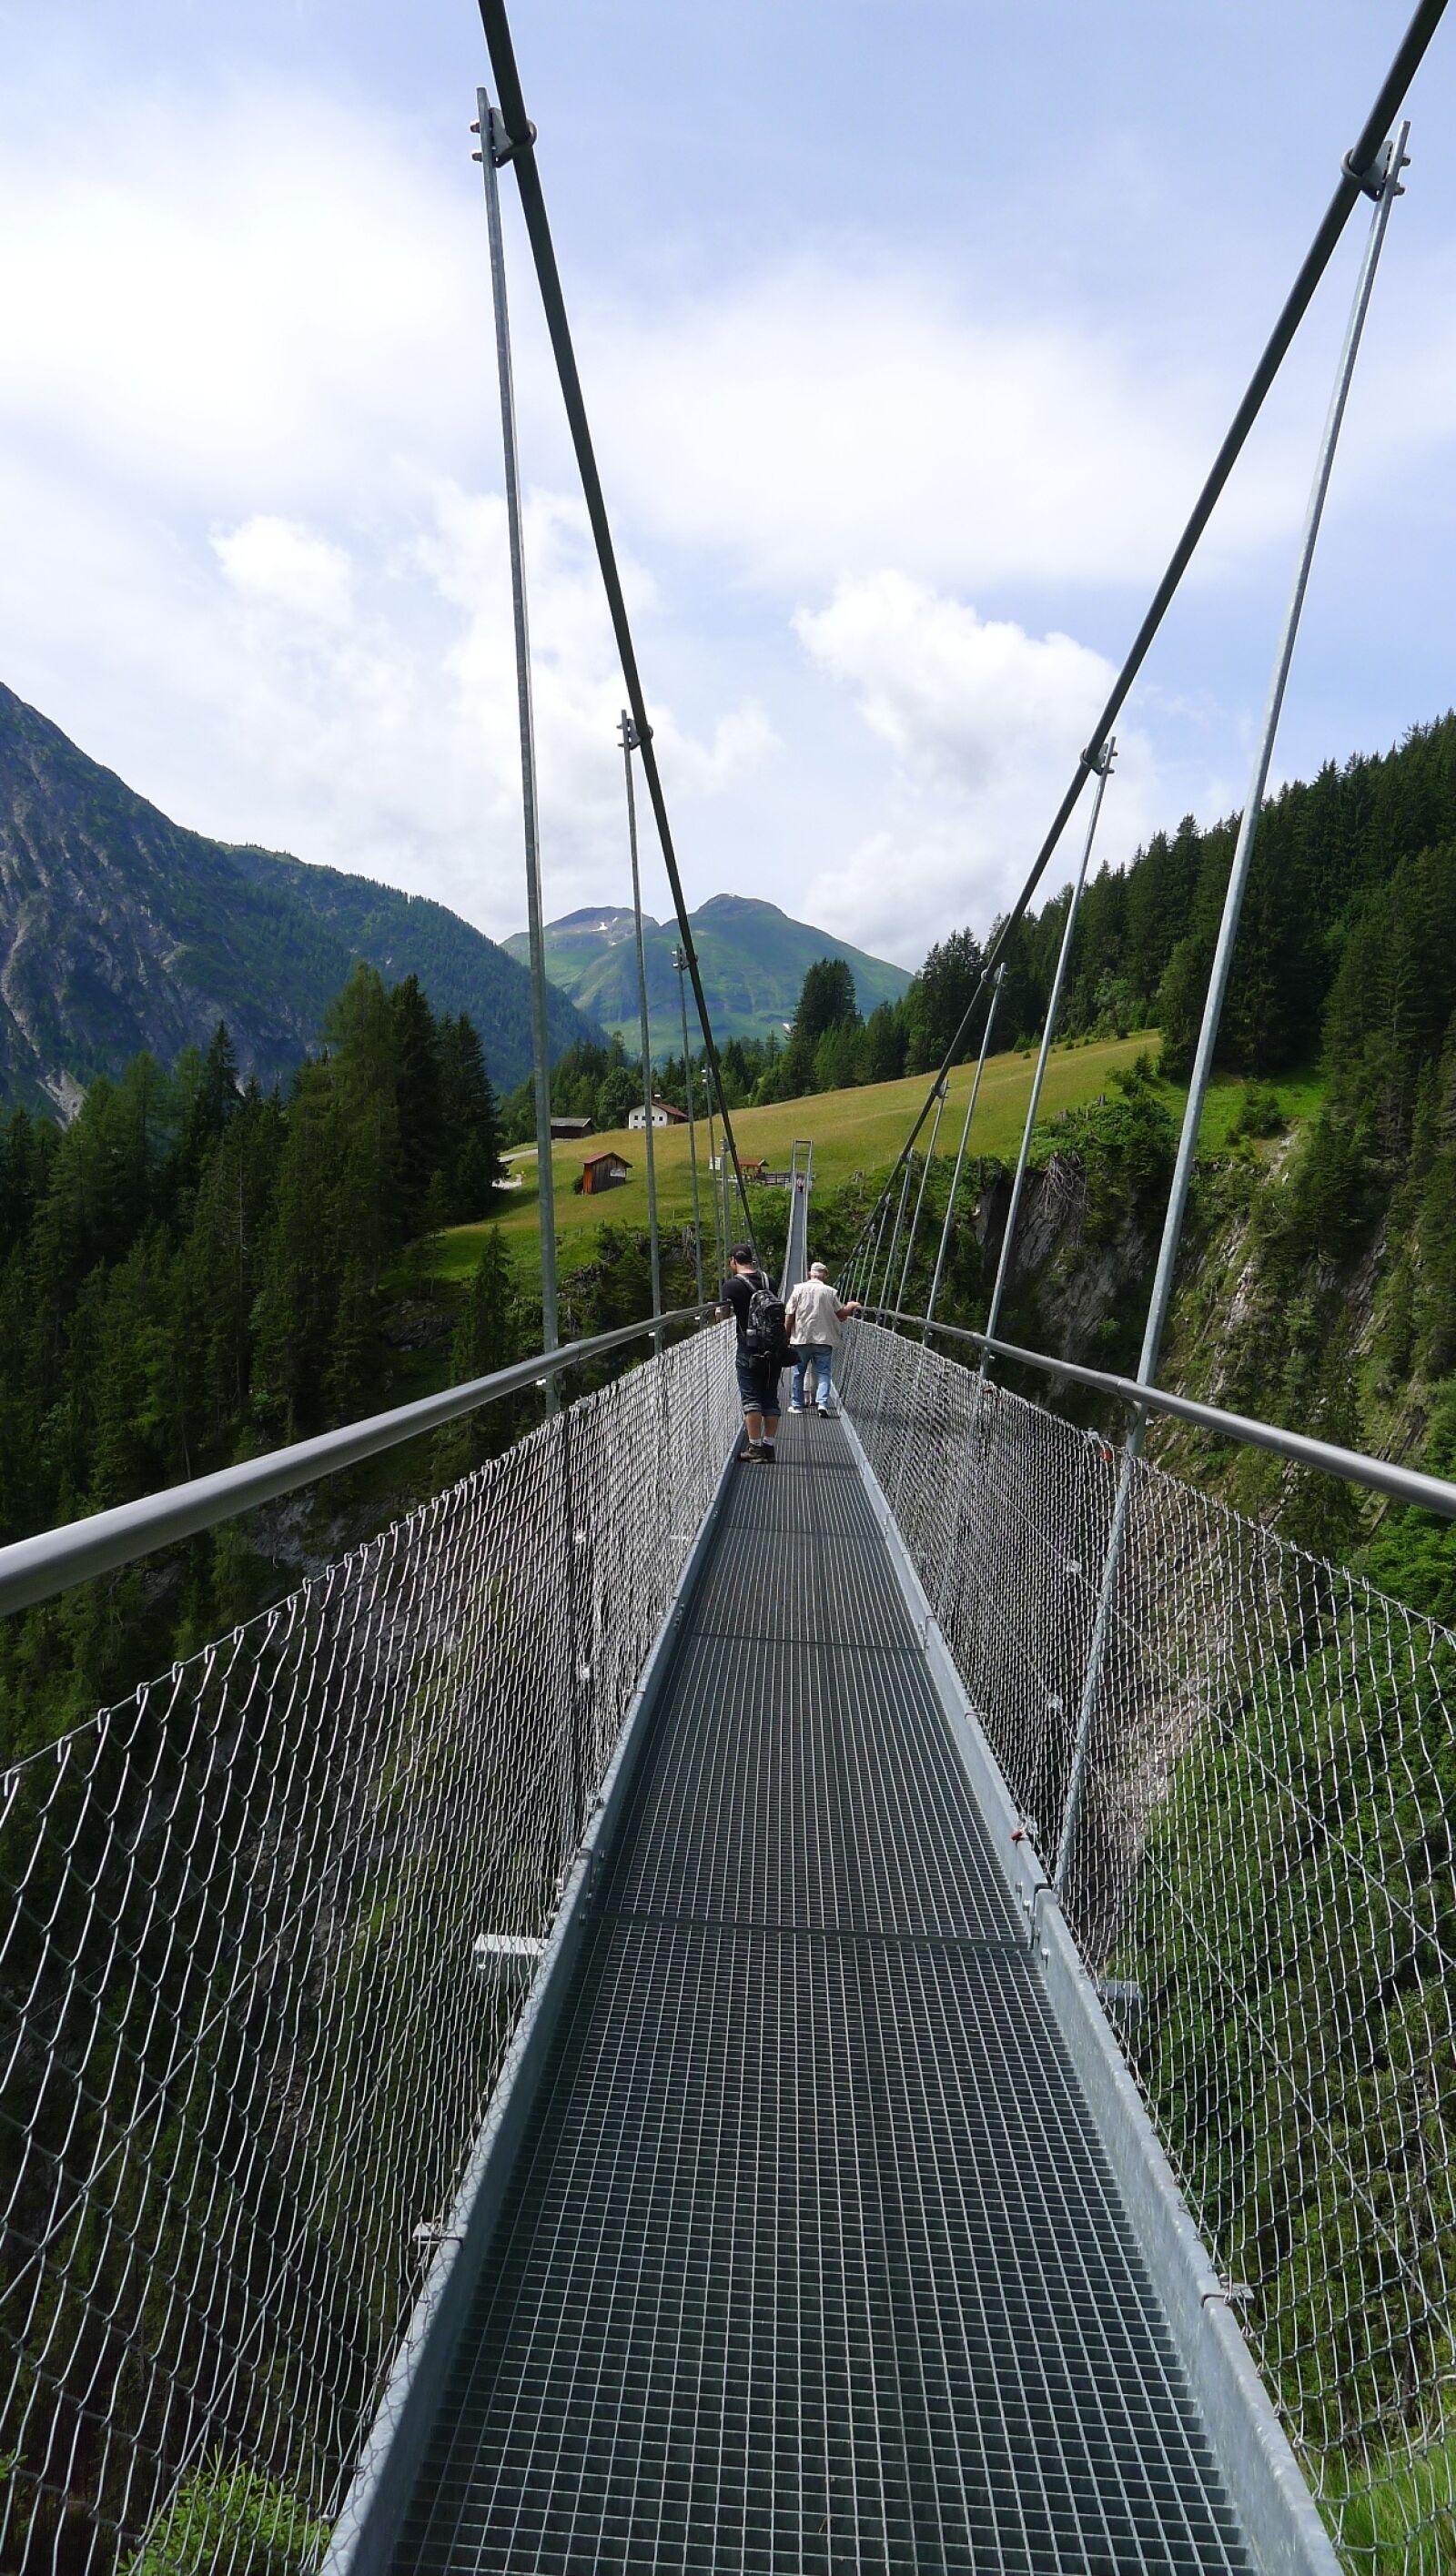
121	931
754	959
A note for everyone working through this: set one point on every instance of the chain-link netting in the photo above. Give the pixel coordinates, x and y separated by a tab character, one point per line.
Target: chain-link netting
1260	1875
246	2042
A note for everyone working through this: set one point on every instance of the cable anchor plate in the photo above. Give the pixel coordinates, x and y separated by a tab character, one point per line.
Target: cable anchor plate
503	144
1386	168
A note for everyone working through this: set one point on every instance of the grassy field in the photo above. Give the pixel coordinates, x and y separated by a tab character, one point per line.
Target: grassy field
852	1131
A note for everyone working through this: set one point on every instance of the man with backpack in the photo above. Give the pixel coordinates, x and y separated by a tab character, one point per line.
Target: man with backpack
762	1351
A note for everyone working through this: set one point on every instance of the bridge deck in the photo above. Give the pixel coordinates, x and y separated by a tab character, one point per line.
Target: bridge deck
812	2260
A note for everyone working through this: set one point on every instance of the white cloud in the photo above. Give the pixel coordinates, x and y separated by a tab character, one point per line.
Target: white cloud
246	418
828	416
985	723
236	299
274	564
953	694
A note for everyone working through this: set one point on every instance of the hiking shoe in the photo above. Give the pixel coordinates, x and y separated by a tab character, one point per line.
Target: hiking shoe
766	1457
752	1456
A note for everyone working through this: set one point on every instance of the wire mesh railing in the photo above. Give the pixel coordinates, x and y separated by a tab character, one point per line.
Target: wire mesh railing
247	2044
1262	1879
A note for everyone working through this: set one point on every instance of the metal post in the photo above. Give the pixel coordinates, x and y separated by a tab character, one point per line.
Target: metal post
627	736
883	1298
720	1249
955	1178
727	1195
872	1261
924	1355
924	1358
1003	1265
864	1259
496	148
681	963
1393	161
941	1098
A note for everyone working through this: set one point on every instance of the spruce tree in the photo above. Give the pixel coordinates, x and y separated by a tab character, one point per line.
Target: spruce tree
472	1129
420	1103
352	1349
492	1333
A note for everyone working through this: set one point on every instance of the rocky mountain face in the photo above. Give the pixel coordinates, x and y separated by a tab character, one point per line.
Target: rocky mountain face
753	957
119	930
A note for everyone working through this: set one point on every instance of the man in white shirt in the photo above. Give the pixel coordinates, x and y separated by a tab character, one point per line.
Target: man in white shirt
813	1315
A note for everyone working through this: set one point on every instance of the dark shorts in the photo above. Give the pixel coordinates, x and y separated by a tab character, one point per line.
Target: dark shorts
758	1381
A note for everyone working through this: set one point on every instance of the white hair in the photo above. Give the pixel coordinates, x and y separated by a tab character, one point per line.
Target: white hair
818	1269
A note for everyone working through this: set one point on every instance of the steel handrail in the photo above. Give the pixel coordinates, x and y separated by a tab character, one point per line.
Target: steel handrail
36	1569
1403	1484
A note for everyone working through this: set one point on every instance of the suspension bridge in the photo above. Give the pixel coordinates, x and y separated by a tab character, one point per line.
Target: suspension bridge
890	2013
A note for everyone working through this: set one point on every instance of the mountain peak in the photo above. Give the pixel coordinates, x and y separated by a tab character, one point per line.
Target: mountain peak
721	907
753	957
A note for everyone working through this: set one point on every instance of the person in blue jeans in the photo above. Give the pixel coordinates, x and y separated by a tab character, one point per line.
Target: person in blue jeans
814	1315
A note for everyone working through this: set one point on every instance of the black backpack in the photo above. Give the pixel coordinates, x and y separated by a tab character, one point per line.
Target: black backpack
766	1332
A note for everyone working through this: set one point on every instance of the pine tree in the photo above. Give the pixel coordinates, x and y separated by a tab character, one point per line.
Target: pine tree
207	1097
938	999
419	1095
352	1348
322	1188
488	1332
883	1041
826	1001
491	1334
362	1092
472	1129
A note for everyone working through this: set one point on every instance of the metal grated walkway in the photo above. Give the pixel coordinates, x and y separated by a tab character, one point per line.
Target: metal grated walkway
811	2259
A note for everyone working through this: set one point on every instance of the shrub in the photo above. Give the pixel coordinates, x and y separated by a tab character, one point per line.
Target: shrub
1258	1113
231	2517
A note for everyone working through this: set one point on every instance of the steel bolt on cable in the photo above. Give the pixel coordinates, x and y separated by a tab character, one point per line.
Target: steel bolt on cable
1394	161
681	964
495	147
627	736
1003	1265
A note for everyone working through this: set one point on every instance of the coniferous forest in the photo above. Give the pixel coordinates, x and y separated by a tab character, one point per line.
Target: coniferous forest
1374	838
192	1272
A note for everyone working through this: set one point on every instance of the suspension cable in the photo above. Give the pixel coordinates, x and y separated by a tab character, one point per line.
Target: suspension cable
1359	175
519	148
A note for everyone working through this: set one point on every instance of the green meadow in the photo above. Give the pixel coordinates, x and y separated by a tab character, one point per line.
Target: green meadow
853	1132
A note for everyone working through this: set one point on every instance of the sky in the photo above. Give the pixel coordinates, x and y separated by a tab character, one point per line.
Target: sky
907	336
